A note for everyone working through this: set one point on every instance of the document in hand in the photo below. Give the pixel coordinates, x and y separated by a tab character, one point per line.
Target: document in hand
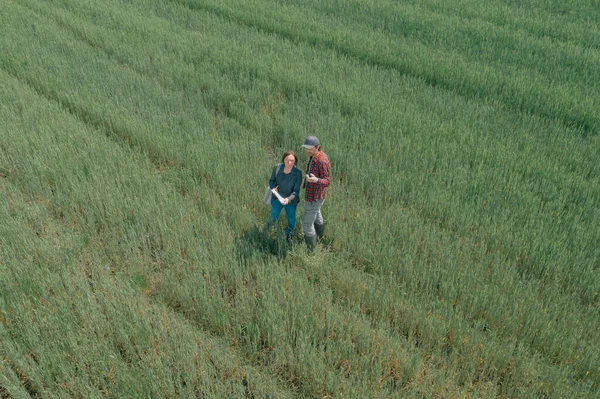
279	197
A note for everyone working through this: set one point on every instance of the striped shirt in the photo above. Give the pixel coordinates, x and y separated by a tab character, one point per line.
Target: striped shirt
320	167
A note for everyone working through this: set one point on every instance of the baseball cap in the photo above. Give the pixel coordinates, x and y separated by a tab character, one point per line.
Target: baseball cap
310	142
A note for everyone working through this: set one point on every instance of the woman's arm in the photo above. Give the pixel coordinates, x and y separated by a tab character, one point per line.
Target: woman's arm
273	180
297	184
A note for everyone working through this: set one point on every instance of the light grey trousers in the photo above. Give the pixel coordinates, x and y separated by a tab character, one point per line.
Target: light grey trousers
310	216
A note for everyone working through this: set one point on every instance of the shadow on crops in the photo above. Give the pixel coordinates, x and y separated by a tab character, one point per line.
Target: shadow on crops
256	243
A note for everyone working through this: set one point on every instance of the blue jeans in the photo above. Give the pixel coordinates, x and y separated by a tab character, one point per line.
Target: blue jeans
290	212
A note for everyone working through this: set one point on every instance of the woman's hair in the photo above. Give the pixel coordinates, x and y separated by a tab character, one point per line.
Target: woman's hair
288	153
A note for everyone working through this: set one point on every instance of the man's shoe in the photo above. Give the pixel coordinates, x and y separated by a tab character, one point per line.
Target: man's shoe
320	229
311	243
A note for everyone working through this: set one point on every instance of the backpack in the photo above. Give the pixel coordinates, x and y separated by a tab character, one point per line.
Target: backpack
268	193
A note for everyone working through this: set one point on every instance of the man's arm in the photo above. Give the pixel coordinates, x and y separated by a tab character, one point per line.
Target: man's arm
323	172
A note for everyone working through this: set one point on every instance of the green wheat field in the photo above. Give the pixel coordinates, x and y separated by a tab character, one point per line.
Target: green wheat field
461	256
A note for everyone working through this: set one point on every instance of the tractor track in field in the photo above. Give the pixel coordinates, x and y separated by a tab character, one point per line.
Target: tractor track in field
581	122
314	277
81	37
224	111
119	134
34	389
122	136
87	116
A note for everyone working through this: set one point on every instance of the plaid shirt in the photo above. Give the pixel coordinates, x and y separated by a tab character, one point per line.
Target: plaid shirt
318	166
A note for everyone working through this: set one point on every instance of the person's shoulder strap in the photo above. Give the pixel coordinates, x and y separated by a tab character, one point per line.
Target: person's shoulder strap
278	169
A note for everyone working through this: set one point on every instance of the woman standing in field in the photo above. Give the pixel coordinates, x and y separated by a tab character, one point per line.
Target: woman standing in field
287	178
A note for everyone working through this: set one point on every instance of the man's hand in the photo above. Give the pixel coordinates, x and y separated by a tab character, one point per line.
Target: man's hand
312	178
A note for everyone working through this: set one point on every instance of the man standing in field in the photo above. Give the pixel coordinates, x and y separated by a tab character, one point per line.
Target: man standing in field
316	183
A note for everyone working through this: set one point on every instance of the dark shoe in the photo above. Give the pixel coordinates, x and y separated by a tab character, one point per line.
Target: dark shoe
311	243
320	229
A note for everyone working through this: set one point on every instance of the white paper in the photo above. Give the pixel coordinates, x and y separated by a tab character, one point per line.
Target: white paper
279	197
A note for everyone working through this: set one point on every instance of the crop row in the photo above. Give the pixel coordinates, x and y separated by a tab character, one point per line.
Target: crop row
138	111
74	321
522	88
